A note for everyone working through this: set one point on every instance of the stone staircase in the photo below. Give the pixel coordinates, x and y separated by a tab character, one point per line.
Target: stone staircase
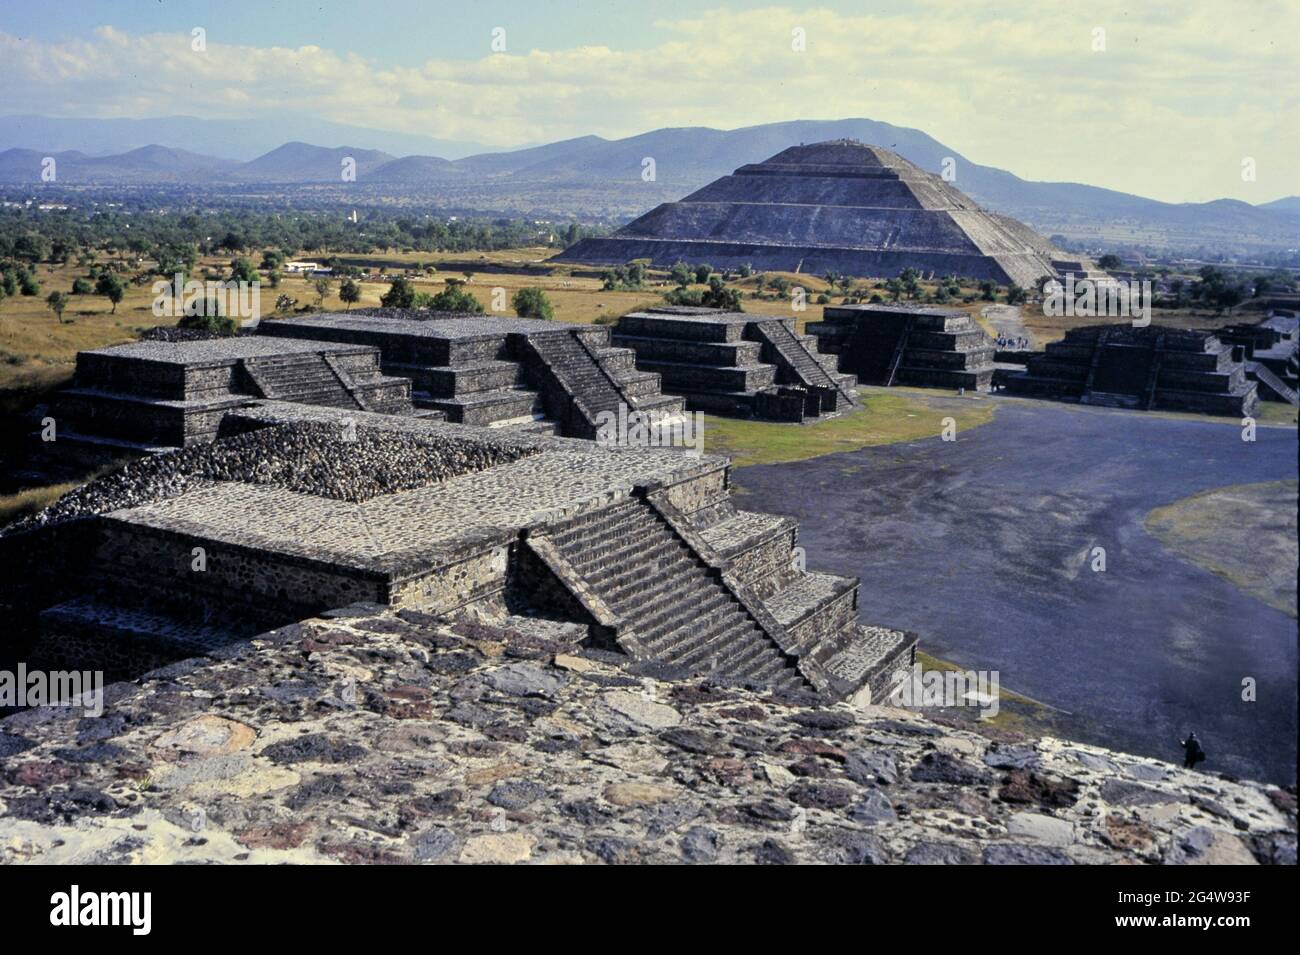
803	366
581	383
304	378
665	602
1266	377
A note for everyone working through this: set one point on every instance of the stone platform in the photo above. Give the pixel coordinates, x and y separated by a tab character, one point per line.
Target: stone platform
640	550
897	345
146	396
547	377
1155	367
736	363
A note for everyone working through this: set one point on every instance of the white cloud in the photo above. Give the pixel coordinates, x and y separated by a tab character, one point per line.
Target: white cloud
1170	107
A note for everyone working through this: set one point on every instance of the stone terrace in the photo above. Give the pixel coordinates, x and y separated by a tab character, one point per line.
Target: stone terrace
641	550
897	345
149	395
736	363
546	377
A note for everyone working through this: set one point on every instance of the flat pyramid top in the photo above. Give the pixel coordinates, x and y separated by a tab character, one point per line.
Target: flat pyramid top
842	152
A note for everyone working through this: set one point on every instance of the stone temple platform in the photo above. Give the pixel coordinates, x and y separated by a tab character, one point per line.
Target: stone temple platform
737	364
898	345
1271	352
543	376
636	551
1155	367
146	396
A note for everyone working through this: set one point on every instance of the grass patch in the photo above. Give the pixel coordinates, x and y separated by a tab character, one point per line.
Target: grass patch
886	417
1245	533
14	506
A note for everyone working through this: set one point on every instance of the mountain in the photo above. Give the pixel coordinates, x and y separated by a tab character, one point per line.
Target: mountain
241	139
303	162
1288	204
414	170
147	164
597	177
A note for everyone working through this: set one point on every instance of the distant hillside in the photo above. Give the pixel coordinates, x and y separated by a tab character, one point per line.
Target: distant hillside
592	176
146	164
303	162
241	139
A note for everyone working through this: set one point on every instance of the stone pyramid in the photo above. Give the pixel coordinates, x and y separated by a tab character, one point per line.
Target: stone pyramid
840	206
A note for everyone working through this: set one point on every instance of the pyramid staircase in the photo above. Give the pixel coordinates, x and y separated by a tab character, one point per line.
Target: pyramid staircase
736	364
668	604
304	378
588	384
1279	389
718	594
802	365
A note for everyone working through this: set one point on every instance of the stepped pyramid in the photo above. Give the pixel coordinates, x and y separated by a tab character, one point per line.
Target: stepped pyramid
840	206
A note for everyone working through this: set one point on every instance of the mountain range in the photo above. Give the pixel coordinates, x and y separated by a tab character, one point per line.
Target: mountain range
591	175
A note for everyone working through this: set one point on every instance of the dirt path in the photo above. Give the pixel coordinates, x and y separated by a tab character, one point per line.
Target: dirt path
1006	320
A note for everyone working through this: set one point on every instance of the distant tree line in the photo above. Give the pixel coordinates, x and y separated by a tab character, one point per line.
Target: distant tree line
60	236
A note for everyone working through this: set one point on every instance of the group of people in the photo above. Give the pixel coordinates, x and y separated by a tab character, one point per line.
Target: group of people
1019	343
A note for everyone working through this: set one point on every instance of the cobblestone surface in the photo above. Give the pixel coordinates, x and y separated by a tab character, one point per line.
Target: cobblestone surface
370	739
313	458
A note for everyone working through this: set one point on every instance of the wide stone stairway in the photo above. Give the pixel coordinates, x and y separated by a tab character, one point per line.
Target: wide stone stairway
798	363
305	379
670	605
592	382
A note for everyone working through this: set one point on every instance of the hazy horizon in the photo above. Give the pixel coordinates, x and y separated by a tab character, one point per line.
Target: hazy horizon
1166	104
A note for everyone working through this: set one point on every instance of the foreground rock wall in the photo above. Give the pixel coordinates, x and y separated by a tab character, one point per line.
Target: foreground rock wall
381	738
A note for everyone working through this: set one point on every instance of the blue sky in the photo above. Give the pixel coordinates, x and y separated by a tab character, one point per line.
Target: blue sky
1170	100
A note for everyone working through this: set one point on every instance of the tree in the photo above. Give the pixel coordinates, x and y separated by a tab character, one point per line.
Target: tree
911	280
56	302
532	303
242	270
988	291
719	295
82	287
209	321
27	283
283	303
322	285
349	293
702	273
111	287
1110	261
681	274
400	294
1015	294
455	299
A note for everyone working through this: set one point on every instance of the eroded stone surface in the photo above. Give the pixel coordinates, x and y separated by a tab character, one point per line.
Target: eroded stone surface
557	768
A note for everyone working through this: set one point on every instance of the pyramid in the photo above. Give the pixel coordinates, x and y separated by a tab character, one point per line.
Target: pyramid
840	206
